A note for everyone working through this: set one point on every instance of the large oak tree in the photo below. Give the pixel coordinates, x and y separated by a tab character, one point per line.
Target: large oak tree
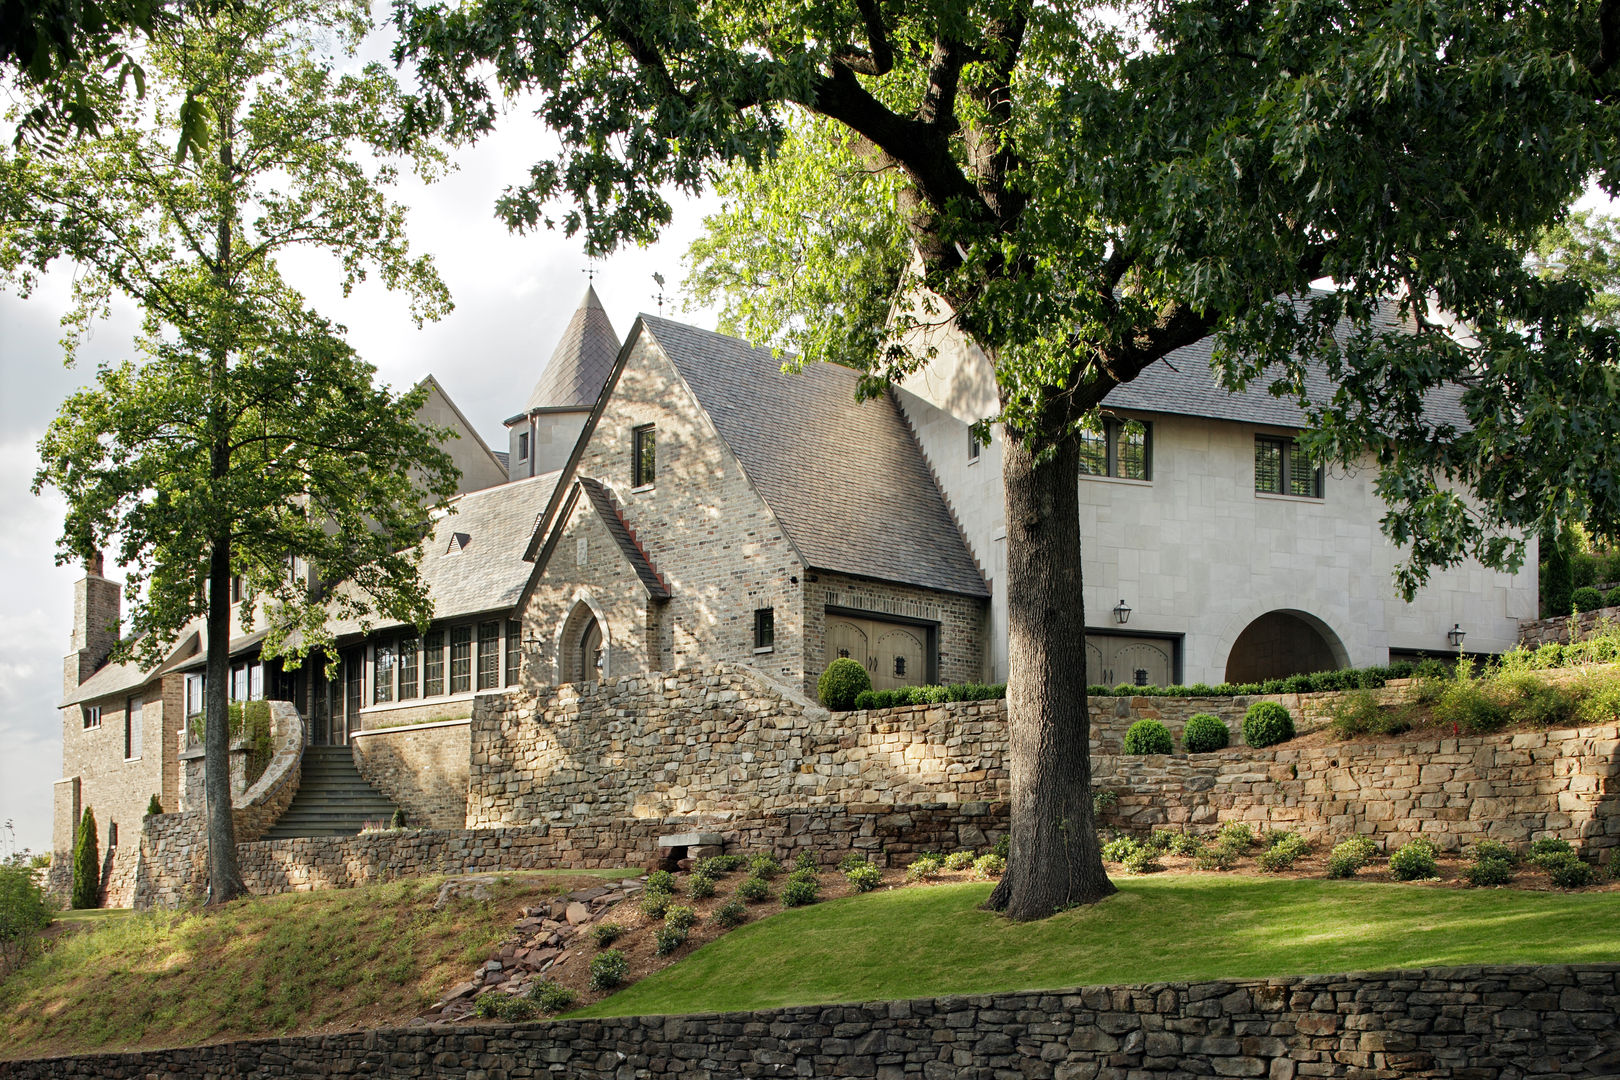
1085	189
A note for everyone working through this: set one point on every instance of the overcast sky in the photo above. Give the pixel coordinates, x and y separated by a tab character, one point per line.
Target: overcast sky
513	296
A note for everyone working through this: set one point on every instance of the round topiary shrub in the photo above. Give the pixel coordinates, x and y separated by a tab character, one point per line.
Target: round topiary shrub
1266	724
1587	598
1414	861
1148	737
841	683
1204	733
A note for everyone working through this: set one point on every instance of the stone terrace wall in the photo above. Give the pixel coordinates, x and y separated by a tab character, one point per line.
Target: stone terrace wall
1557	629
1508	787
422	769
1489	1023
173	867
724	740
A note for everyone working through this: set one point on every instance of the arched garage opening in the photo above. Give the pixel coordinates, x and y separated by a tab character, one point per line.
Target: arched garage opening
1282	643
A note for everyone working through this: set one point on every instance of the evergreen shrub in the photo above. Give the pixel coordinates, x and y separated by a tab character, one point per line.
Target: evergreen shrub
1148	737
1144	860
853	859
1118	849
86	864
1204	733
609	969
1237	834
661	881
764	866
730	914
839	685
959	860
924	867
667	939
1285	851
606	933
864	877
553	997
1587	598
154	807
1567	871
800	891
1221	856
1414	861
680	917
755	890
700	886
989	866
1267	724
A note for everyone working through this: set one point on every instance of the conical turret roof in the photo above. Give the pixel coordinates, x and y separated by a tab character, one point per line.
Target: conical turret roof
581	362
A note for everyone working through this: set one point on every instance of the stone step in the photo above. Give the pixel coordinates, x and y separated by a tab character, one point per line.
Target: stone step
333	799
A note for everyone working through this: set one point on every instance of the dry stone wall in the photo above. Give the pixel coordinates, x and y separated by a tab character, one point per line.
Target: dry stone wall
422	769
1484	1023
1561	629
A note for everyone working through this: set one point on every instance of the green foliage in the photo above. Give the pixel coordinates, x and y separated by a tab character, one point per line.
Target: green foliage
1587	598
1237	834
609	969
1360	713
507	1008
959	860
1160	840
806	860
841	682
654	902
720	865
730	914
989	866
1414	861
154	807
1118	849
1488	871
929	695
24	912
1103	803
604	934
700	886
1003	847
755	890
1350	855
1494	850
1266	724
1143	860
1185	844
799	891
1148	737
864	876
1204	733
661	881
924	867
764	865
680	917
1284	852
852	860
1567	871
552	997
669	938
86	864
1221	856
1468	704
398	820
1549	847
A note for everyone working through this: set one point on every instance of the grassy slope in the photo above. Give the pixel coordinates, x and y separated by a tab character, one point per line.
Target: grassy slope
335	960
932	941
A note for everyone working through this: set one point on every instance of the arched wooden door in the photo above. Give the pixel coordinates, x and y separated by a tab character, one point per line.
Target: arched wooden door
893	654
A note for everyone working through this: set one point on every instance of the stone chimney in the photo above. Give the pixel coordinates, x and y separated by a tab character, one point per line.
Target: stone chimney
97	611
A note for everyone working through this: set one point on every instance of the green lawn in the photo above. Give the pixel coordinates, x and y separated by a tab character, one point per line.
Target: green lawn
925	942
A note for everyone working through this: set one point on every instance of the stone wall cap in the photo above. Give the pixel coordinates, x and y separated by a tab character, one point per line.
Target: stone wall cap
690	839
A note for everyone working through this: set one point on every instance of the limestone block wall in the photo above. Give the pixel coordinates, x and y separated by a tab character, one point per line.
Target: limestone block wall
1489	1023
422	769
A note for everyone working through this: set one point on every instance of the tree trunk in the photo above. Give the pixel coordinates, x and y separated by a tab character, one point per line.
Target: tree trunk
1055	861
224	878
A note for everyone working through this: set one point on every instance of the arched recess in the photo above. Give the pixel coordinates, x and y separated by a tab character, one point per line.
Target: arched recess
1281	643
582	645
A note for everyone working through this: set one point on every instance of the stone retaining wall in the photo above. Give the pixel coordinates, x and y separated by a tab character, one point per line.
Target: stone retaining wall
1513	788
1485	1023
422	769
1558	628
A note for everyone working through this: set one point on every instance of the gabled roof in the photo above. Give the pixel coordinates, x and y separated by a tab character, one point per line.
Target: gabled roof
602	502
124	677
581	362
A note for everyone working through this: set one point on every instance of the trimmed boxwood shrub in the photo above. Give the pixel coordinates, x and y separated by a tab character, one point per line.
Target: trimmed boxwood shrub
1148	737
864	876
609	969
1490	872
800	891
1205	732
1587	598
1267	724
755	890
1414	861
839	685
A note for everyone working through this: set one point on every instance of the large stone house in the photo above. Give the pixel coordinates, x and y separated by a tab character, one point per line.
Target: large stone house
677	500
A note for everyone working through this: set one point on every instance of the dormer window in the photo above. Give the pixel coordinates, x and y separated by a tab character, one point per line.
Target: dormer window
643	456
523	446
458	543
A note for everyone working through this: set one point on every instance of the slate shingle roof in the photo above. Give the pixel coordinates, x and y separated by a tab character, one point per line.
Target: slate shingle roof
581	362
845	479
121	678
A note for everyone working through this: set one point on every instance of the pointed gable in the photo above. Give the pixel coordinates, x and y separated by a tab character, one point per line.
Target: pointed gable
598	498
845	479
581	362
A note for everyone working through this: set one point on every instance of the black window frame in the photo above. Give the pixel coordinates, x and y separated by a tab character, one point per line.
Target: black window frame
433	666
765	629
407	662
461	659
644	455
1114	429
974	447
523	446
488	669
1289	456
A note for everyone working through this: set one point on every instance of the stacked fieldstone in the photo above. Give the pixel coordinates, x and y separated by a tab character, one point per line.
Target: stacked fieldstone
1485	1023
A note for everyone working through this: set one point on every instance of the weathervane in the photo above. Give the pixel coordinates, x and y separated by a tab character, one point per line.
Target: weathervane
659	296
590	271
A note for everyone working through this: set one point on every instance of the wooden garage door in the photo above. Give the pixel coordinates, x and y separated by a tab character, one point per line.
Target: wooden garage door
1112	660
894	654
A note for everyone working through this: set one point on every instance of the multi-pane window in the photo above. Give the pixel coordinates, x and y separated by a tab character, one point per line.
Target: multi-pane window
382	673
1122	448
408	649
489	655
460	659
643	456
194	695
1281	468
433	664
92	717
514	651
764	628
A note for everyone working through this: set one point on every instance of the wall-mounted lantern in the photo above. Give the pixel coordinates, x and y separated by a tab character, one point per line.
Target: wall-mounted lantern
1122	614
1455	635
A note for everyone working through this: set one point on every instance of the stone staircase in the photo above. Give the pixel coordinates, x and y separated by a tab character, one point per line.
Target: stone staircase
333	799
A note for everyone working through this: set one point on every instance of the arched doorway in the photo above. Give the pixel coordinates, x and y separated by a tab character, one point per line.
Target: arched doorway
582	654
1283	643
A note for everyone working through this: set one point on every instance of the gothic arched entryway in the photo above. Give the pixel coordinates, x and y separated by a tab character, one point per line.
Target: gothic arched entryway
582	647
1283	643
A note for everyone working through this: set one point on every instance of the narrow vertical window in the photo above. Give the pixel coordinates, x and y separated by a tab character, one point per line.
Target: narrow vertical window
644	456
92	717
764	629
489	655
514	651
382	673
523	446
973	446
460	659
408	649
433	664
132	729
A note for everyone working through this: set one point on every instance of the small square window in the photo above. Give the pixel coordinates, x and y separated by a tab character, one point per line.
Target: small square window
643	456
1120	448
92	717
764	629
